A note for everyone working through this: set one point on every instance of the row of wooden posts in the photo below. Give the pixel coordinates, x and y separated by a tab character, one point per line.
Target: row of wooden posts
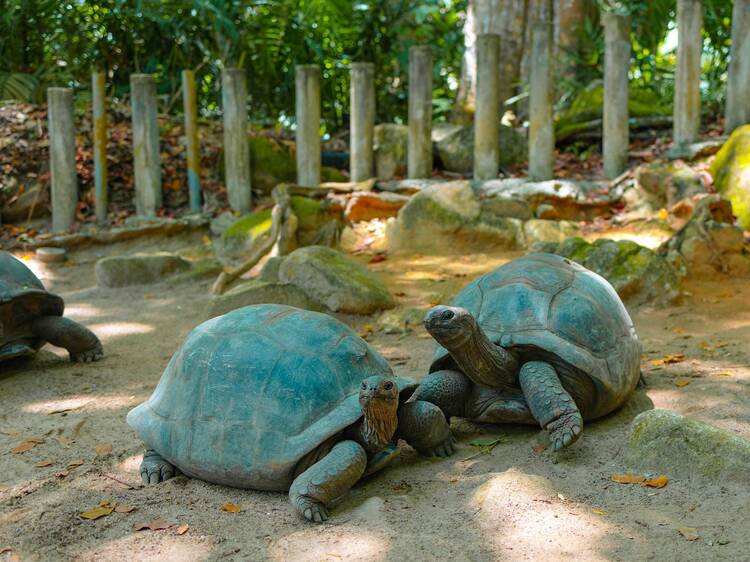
617	29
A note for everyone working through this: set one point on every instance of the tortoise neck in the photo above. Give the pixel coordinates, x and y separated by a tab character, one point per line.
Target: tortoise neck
484	362
380	418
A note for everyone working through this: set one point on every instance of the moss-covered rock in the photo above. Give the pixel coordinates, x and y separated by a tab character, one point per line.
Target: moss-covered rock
257	291
669	182
731	172
541	230
456	149
236	240
271	162
335	280
138	269
667	442
638	274
390	142
447	217
589	103
400	320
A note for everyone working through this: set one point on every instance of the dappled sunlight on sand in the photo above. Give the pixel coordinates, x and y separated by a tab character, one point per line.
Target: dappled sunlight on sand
131	465
150	545
316	544
89	402
110	330
83	312
649	238
524	514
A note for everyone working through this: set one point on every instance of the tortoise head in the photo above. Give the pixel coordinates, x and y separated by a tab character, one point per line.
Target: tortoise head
451	326
378	392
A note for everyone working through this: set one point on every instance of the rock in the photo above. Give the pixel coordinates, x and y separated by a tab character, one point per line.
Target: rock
51	255
709	243
667	442
270	270
638	274
669	182
365	206
695	150
138	269
271	162
335	280
390	141
571	200
546	211
221	223
448	217
731	172
259	292
400	320
237	239
539	230
30	202
408	186
456	148
506	206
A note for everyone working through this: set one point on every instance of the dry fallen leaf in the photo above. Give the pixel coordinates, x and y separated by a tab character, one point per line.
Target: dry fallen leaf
232	508
681	381
628	479
726	374
99	511
658	482
42	464
63	441
539	447
75	463
663	214
155	525
689	533
120	508
600	511
669	359
103	449
182	529
28	444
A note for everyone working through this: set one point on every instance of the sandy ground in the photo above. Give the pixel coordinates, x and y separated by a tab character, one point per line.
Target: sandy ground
513	503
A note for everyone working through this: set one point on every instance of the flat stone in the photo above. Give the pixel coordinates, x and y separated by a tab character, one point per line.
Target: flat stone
138	269
540	230
335	280
667	442
695	150
260	292
51	255
365	206
669	182
456	148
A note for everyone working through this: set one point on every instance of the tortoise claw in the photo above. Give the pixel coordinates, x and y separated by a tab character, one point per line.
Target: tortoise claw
312	510
88	356
565	430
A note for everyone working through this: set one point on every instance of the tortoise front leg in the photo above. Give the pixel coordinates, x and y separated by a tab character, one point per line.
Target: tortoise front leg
155	469
327	479
423	425
550	403
80	342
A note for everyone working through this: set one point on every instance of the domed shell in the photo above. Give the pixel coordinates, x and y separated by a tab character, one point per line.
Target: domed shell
250	393
549	308
22	298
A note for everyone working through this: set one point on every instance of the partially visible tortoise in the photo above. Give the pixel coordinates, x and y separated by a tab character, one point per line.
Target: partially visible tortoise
30	316
539	340
272	397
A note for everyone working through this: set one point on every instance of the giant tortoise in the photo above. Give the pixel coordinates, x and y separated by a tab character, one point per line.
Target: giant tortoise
540	339
272	397
30	316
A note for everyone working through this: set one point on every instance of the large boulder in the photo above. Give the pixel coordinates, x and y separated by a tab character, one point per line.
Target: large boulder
456	148
258	291
638	274
667	442
669	182
731	172
271	162
368	205
541	230
335	280
709	243
560	199
138	269
390	141
448	217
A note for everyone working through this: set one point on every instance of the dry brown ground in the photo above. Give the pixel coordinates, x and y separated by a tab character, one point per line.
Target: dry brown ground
511	504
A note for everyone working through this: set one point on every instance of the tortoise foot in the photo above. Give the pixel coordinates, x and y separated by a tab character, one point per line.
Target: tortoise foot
155	469
311	510
88	356
565	430
443	449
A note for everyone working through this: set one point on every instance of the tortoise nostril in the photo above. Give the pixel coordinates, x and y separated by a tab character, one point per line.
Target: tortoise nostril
447	315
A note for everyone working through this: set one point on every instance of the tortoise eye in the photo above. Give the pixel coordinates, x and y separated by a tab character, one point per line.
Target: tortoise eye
364	386
388	385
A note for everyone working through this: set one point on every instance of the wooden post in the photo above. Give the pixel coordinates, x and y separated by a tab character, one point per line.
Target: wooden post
362	159
236	144
146	163
487	115
738	79
193	147
307	109
62	156
419	151
541	124
687	95
616	137
99	99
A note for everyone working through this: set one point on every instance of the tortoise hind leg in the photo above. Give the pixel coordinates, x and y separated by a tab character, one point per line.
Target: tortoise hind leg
550	403
327	479
80	342
155	469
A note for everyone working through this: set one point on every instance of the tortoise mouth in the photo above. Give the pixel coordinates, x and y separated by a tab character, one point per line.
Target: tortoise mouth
449	325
